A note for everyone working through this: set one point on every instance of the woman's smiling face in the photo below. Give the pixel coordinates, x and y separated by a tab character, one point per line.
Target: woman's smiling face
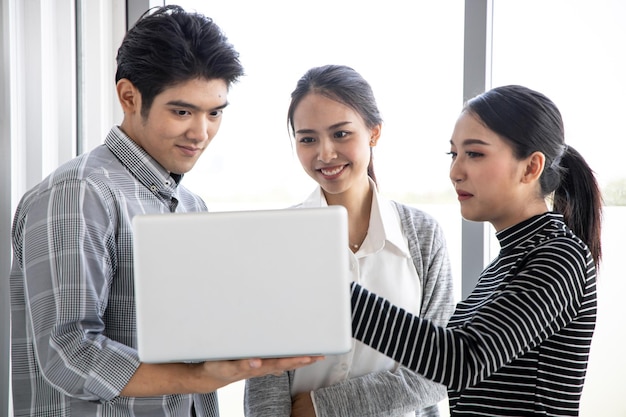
333	143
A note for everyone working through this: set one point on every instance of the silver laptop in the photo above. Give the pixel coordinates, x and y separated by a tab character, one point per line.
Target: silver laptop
239	284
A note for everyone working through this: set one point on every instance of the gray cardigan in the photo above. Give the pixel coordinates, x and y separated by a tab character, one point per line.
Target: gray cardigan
388	393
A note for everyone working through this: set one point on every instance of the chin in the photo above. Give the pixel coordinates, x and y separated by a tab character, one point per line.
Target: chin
472	217
181	170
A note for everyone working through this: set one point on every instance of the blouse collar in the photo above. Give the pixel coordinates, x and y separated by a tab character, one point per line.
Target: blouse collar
384	222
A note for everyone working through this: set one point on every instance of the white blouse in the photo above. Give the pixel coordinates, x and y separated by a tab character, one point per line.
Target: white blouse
383	265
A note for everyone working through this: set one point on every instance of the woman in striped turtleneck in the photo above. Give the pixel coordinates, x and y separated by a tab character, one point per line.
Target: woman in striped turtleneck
519	344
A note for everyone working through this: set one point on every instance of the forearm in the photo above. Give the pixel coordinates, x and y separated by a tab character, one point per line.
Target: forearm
378	394
515	321
200	378
163	379
268	396
389	329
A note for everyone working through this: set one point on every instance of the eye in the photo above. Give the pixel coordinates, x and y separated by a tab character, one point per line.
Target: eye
452	154
181	113
340	134
216	113
306	139
471	154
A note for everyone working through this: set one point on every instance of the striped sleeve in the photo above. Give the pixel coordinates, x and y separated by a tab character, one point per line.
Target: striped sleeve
541	297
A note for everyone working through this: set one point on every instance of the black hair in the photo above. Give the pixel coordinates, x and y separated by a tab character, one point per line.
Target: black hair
344	85
168	46
531	122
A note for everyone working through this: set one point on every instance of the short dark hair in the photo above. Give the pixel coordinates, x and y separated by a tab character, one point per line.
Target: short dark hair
168	46
344	85
530	122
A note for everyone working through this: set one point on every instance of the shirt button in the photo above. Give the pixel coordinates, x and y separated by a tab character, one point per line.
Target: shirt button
167	183
153	187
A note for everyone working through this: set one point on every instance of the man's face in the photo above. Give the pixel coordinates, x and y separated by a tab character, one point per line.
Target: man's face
181	123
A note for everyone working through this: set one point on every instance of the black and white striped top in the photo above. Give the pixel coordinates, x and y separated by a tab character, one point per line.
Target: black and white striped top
519	344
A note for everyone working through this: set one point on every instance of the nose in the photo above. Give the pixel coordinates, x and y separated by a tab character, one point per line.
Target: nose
201	129
456	171
326	151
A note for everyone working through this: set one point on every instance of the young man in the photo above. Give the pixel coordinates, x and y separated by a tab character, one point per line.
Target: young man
72	305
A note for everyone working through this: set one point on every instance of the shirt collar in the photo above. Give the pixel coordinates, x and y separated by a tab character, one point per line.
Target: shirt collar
145	168
384	225
390	225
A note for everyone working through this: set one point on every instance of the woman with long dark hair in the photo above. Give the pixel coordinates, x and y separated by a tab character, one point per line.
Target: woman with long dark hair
395	250
519	344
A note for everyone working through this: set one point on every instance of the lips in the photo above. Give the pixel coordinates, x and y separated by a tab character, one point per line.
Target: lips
463	195
190	150
332	172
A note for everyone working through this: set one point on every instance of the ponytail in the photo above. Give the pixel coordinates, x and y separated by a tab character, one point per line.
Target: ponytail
578	198
531	122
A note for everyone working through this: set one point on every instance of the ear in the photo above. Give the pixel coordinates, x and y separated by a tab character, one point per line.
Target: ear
129	96
534	167
375	134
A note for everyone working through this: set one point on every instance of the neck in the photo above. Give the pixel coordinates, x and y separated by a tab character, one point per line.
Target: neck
359	207
523	213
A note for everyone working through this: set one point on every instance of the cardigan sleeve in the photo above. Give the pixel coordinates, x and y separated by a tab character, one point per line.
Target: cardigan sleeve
379	394
267	396
429	251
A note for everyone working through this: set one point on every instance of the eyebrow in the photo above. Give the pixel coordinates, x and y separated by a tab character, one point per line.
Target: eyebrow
332	127
466	142
186	105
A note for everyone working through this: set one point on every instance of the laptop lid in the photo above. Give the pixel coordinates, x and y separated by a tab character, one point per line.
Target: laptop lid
239	284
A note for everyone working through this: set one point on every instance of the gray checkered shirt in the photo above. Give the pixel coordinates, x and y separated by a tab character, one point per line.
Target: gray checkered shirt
72	297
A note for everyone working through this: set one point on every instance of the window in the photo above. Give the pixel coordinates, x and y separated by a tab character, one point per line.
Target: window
411	54
573	51
570	50
417	83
